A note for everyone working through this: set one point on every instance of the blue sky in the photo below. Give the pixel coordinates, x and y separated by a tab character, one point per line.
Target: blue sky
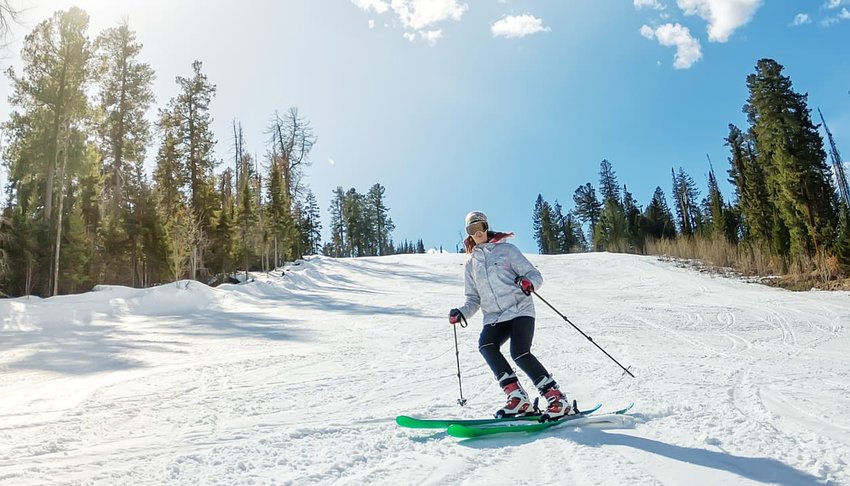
455	106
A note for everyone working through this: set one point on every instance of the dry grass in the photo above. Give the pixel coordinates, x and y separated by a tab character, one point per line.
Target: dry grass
800	273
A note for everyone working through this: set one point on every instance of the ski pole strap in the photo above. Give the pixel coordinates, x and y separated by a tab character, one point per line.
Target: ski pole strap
463	322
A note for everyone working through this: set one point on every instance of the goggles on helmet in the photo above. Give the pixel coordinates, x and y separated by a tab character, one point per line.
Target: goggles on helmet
476	227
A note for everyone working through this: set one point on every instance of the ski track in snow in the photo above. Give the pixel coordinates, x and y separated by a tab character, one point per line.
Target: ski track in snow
297	380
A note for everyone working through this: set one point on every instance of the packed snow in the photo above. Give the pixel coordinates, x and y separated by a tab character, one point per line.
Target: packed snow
297	377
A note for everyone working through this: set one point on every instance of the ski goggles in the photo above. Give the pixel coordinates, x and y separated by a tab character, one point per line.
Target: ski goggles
476	227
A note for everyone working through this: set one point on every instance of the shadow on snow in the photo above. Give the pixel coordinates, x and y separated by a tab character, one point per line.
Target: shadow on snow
761	469
95	347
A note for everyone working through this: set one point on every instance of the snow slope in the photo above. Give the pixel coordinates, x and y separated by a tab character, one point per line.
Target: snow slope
298	379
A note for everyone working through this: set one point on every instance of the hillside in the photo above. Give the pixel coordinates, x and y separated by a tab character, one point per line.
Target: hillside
298	379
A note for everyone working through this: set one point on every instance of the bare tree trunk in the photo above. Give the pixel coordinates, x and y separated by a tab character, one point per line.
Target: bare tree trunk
28	284
59	211
194	261
275	252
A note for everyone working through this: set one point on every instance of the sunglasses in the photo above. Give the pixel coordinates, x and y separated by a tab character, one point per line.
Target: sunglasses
476	227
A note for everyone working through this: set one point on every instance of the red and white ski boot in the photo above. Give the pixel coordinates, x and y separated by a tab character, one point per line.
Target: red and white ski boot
518	402
558	403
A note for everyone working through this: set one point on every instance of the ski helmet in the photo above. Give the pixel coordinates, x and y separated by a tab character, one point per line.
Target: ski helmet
475	217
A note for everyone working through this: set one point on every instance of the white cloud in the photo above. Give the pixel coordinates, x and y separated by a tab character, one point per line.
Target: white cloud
723	16
379	6
801	19
371	23
419	14
431	36
416	16
835	3
514	26
654	4
688	49
843	15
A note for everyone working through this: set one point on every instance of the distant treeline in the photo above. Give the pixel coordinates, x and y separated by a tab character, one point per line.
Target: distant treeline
789	210
80	209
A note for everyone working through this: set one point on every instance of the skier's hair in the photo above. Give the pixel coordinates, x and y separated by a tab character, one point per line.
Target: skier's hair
494	236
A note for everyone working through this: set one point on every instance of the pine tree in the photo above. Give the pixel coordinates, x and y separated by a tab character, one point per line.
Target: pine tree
22	249
148	242
356	227
169	174
76	254
748	179
381	226
123	99
574	239
223	244
789	146
247	218
611	233
544	231
717	214
587	207
338	228
180	233
87	192
407	247
46	142
190	112
280	220
634	222
537	224
558	238
608	185
169	179
686	195
658	217
312	227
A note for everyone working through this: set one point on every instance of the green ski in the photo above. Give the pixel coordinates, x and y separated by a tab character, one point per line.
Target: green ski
417	423
467	431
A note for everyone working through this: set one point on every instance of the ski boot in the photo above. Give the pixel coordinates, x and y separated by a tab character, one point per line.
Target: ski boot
518	403
558	406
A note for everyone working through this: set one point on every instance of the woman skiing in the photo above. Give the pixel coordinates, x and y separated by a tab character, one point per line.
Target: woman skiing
500	280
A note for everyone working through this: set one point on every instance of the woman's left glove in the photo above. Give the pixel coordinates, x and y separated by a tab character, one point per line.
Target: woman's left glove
455	316
524	284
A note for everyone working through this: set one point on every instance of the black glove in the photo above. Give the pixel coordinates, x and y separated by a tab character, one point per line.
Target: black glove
455	316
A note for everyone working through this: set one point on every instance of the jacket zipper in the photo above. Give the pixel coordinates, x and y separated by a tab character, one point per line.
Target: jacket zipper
489	284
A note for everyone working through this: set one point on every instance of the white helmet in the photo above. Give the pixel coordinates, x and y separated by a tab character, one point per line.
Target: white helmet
475	217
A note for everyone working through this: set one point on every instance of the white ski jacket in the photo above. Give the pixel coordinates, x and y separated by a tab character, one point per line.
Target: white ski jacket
489	283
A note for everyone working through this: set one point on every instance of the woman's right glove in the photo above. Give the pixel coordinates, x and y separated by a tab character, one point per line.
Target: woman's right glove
455	316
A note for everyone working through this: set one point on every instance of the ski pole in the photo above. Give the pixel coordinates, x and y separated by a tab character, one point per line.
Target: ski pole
583	334
461	401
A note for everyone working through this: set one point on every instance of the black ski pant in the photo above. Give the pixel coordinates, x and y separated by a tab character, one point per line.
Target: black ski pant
520	331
